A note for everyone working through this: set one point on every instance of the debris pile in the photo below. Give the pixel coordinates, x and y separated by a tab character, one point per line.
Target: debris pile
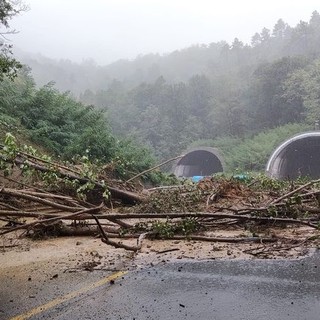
117	211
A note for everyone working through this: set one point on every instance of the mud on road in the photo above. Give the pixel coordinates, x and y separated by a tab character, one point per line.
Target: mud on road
33	272
72	254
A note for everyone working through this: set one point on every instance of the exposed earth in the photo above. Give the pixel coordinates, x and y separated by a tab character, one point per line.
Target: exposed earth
43	279
72	254
239	221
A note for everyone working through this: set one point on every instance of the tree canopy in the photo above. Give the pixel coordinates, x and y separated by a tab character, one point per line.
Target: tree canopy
249	97
8	64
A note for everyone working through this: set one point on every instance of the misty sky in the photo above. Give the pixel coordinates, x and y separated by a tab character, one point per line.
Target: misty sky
108	30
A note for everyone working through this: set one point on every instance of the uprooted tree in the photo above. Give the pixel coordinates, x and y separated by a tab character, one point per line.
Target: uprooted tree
41	197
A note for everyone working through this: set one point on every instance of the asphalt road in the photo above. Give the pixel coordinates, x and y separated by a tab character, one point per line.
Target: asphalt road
256	289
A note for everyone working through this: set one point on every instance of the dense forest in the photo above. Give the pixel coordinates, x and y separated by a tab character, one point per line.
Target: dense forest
244	99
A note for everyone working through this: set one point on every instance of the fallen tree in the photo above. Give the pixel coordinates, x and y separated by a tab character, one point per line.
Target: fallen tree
63	200
218	214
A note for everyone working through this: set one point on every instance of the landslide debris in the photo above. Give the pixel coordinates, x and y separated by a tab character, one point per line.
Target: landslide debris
41	198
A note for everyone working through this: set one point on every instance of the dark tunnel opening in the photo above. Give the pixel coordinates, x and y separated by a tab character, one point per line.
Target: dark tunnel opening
198	163
298	157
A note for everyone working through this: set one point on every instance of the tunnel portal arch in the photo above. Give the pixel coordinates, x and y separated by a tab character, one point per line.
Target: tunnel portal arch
296	157
202	161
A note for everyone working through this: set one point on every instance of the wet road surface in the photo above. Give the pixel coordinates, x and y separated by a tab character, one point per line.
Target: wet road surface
252	289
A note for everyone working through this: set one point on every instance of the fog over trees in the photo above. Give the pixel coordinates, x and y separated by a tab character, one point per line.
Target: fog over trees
243	99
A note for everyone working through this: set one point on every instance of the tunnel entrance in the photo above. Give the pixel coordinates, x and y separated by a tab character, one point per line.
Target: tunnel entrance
199	162
296	157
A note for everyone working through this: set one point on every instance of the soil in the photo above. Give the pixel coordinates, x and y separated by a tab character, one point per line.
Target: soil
73	254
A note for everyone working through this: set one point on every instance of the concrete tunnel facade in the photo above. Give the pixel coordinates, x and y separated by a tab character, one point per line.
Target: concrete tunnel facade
202	161
298	156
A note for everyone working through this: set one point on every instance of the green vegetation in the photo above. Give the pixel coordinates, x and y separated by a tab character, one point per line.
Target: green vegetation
55	121
165	229
168	228
242	99
65	128
50	176
9	66
252	153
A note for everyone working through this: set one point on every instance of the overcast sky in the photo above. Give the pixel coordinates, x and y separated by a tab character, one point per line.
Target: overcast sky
108	30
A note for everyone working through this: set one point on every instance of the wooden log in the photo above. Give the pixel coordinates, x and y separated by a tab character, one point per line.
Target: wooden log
49	220
17	193
114	217
127	196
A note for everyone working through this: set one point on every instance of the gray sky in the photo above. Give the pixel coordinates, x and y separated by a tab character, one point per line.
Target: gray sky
108	30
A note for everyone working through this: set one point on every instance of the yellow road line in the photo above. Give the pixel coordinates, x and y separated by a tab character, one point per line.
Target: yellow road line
67	297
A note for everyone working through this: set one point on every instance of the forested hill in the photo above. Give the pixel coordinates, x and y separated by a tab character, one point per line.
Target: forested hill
241	98
212	60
